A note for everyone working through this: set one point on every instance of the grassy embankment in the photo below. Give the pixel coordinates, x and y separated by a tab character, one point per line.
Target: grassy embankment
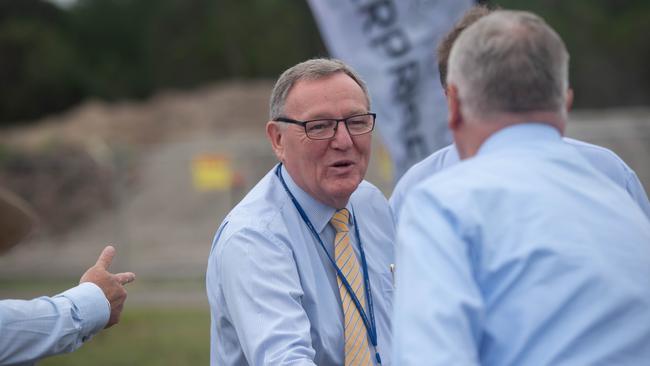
160	333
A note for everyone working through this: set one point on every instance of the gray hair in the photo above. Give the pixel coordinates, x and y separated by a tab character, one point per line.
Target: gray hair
309	70
510	62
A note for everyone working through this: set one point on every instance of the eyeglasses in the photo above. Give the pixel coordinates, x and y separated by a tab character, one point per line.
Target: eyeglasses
323	129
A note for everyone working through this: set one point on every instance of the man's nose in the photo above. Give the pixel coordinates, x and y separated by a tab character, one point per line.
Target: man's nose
342	137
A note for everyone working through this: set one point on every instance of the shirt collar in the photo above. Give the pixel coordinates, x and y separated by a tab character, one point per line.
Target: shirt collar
317	212
519	134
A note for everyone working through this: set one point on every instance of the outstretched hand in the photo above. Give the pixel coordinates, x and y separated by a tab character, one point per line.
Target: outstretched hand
111	284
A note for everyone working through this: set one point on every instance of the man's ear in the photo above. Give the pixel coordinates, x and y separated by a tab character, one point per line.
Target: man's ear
275	133
569	99
453	105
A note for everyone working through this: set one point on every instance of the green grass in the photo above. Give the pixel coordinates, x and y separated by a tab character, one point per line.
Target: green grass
173	329
32	287
147	336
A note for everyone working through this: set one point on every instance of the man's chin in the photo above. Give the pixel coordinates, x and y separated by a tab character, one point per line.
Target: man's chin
342	191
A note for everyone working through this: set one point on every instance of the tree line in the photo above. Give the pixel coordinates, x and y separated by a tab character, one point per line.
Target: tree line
52	58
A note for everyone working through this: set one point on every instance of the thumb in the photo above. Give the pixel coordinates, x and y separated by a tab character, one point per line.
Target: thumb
105	259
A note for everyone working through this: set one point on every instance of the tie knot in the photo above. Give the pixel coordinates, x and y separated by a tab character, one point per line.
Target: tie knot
340	220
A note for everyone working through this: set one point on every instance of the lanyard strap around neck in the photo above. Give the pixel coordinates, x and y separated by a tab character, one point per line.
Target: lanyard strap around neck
369	322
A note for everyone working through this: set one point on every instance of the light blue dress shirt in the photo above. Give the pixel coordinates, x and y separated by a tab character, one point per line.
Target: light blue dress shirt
604	160
273	294
522	255
30	330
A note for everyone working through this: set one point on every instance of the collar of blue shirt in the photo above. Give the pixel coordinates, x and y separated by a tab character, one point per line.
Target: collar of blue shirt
518	134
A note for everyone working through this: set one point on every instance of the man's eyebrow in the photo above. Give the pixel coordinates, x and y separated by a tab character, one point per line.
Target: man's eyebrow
346	115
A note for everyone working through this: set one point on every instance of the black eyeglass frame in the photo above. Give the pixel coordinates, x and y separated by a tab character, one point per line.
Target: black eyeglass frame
344	120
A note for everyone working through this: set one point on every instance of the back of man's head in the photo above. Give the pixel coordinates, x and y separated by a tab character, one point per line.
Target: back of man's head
509	62
443	50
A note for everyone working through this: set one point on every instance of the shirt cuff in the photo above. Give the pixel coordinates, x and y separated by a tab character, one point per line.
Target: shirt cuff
93	307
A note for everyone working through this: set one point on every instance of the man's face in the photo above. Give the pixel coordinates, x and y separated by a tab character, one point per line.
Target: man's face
329	170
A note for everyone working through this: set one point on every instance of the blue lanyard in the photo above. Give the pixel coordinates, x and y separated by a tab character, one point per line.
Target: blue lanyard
371	328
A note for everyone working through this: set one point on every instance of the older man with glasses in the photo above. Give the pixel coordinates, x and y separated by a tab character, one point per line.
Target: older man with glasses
299	271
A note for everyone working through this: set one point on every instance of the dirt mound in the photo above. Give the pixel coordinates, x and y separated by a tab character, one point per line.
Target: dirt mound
169	115
64	188
66	165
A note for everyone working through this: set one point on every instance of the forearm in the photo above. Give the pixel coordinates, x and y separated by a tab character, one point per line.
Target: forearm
30	330
254	281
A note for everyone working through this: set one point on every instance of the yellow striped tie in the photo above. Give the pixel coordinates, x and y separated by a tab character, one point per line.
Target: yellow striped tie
357	350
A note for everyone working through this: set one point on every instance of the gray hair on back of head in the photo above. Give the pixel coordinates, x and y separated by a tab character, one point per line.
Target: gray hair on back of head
510	62
309	70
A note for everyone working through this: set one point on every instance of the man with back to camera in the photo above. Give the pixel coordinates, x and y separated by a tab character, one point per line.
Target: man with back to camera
46	326
602	159
299	271
524	254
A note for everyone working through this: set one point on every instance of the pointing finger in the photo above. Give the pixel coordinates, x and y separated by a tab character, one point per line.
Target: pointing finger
105	259
125	277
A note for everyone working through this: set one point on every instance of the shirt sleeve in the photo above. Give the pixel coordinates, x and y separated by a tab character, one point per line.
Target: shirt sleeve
263	295
397	197
438	306
635	189
33	329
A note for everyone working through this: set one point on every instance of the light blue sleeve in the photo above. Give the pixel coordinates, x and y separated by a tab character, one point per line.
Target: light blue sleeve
635	189
397	197
438	310
609	163
30	330
263	294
